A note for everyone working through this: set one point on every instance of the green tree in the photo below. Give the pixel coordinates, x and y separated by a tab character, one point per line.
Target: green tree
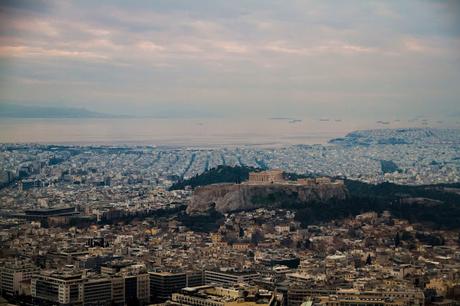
369	260
397	240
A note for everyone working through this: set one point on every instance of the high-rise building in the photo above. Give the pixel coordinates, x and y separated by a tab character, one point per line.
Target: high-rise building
137	288
62	288
75	288
12	274
164	284
118	291
195	278
97	291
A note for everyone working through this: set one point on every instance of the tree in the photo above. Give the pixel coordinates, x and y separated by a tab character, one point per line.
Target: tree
406	236
257	237
369	260
397	240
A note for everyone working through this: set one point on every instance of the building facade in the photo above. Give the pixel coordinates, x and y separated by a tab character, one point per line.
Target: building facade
13	274
229	277
267	177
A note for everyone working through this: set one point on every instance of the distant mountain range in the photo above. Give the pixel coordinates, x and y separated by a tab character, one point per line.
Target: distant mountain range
27	111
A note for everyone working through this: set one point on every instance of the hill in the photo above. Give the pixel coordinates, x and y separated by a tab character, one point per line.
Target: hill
29	111
225	198
221	174
437	206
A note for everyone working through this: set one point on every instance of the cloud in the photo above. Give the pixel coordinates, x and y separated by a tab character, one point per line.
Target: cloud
37	52
146	45
229	54
327	47
231	47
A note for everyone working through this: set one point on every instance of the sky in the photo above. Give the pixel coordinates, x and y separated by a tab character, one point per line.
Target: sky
217	58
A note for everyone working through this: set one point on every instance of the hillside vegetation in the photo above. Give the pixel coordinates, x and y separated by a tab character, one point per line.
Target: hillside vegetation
221	174
436	206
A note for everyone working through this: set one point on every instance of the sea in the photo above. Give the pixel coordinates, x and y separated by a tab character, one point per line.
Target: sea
269	132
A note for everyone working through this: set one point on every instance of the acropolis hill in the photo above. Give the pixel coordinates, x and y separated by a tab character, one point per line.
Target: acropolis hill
264	189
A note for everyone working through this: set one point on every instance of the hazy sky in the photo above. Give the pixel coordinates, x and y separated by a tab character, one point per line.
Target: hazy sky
239	58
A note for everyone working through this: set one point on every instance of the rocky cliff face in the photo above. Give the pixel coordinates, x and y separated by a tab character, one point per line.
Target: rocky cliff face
235	197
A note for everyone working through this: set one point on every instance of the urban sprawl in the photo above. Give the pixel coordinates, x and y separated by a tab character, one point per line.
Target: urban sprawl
98	225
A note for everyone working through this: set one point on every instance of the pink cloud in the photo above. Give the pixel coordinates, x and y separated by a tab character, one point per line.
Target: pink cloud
25	51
